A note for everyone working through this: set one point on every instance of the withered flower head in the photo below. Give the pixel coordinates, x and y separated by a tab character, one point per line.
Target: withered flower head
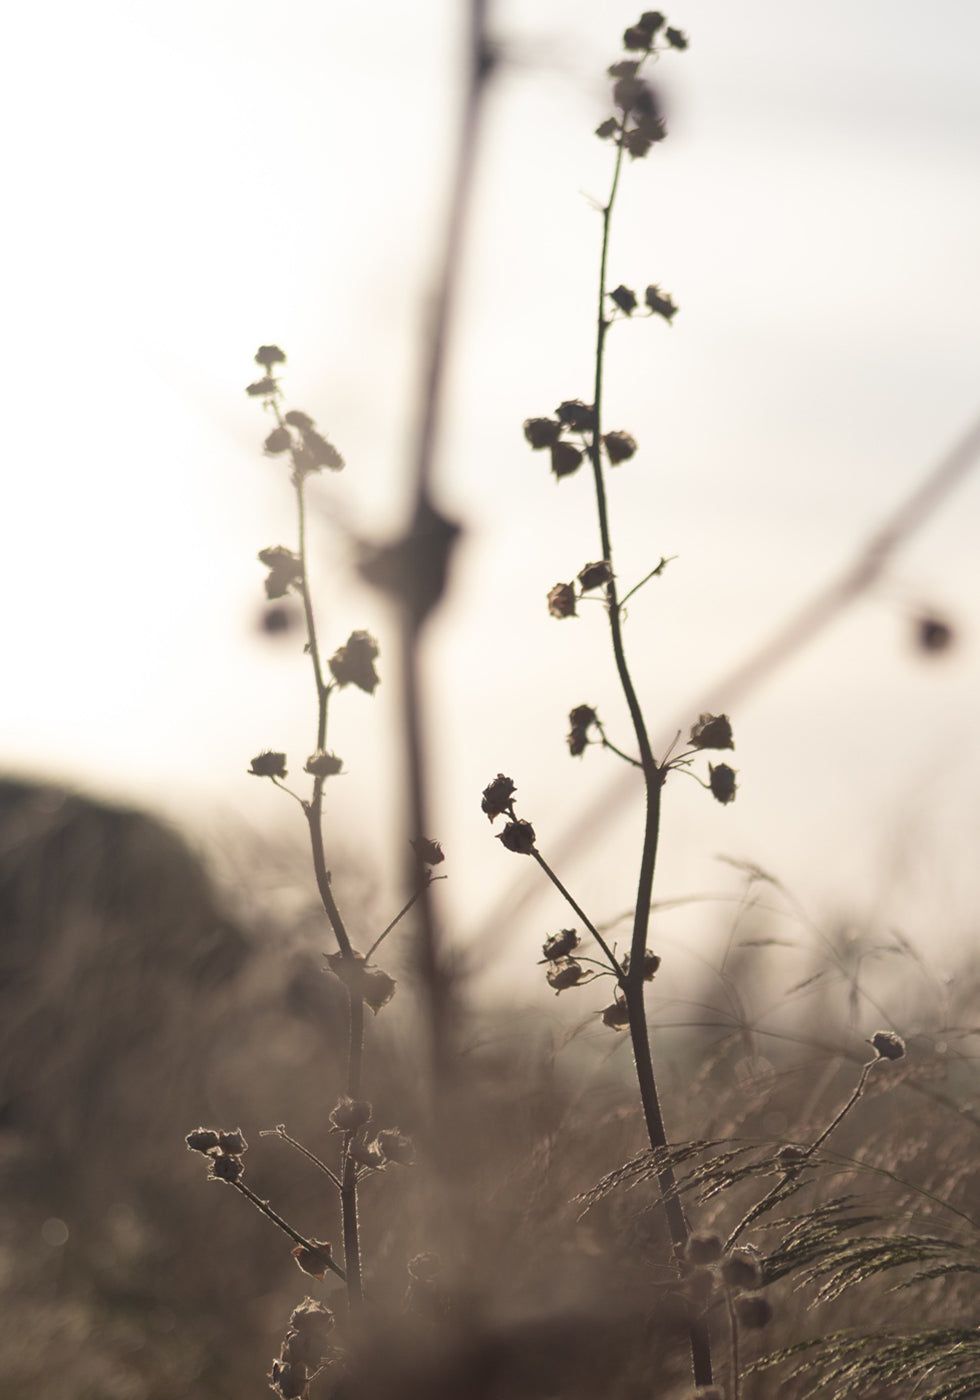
518	836
262	388
616	1016
625	299
289	1379
428	852
202	1140
619	446
577	415
278	441
565	459
542	432
636	38
888	1045
676	38
752	1311
660	304
299	420
233	1142
322	764
712	732
703	1248
651	965
741	1269
595	575
353	663
268	765
396	1147
722	782
269	355
285	569
316	1260
559	945
607	128
224	1168
498	796
561	600
350	1114
565	973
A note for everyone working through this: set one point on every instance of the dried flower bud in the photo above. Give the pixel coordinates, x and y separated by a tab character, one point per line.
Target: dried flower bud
676	38
559	945
278	441
367	1154
583	715
233	1142
565	973
791	1157
269	355
752	1311
616	1016
888	1045
518	836
565	459
542	432
607	128
377	988
634	94
624	68
636	38
314	1323
268	765
299	420
722	782
323	765
289	1380
230	1169
650	21
577	740
498	797
712	732
262	388
561	600
428	852
703	1248
316	1259
741	1269
660	304
625	299
620	447
396	1147
933	635
651	965
350	1114
316	452
285	569
577	415
353	663
202	1140
595	575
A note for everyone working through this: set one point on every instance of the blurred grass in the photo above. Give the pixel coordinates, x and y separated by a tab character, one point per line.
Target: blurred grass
134	1005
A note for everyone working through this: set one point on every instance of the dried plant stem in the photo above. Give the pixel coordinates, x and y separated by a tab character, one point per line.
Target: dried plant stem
773	1195
314	815
653	778
566	895
286	1228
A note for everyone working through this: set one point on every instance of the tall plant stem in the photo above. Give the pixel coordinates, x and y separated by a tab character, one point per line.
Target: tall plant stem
653	778
355	1015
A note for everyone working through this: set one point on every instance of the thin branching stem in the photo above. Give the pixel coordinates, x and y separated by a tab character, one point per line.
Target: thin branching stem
286	1228
653	778
280	1132
573	903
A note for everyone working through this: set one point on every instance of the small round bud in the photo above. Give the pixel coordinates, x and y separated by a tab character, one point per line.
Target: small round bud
595	575
888	1045
323	765
561	600
565	459
202	1140
498	797
565	973
233	1143
619	446
741	1270
722	782
269	355
752	1311
350	1114
268	765
542	432
636	38
559	945
518	836
703	1248
230	1169
616	1016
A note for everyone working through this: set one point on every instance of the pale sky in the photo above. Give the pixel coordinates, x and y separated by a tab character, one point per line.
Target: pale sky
188	182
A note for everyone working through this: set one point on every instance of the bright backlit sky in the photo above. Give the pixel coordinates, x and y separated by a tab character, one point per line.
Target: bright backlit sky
189	181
